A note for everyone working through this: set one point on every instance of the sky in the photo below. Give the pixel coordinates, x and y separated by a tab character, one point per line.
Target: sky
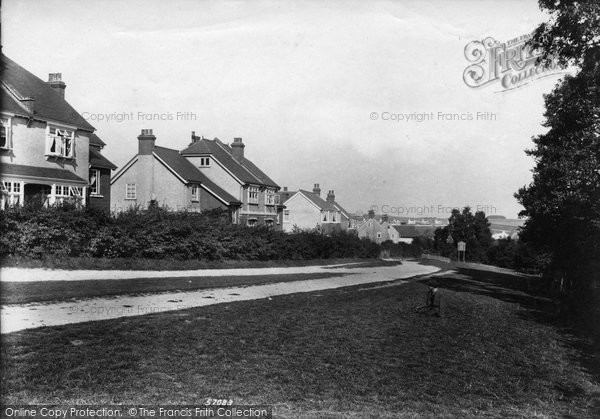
315	89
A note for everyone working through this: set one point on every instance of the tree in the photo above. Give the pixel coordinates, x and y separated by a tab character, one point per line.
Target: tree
562	204
474	230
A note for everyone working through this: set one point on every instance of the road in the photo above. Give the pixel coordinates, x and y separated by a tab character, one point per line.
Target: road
27	316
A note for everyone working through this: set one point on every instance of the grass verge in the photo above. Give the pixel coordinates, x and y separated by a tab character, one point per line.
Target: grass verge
76	263
356	351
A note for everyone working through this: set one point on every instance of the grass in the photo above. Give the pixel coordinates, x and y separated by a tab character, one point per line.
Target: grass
352	352
89	263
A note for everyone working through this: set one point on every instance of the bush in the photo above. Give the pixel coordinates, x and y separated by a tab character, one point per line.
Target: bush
155	233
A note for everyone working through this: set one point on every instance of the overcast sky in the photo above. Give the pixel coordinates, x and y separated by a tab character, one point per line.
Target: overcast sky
298	81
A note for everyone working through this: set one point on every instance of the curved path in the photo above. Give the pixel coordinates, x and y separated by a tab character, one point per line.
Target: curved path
19	317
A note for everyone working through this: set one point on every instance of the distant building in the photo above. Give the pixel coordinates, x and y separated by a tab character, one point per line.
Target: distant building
373	230
48	151
307	210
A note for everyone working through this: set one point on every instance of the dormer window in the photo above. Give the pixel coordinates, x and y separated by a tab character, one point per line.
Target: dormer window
5	137
60	142
204	161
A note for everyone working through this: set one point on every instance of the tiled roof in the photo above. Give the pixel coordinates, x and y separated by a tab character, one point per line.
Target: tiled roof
48	173
98	160
95	140
187	171
343	211
244	170
318	201
19	83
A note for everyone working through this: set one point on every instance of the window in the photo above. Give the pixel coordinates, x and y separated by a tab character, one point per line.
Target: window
286	215
333	217
12	191
195	193
204	161
60	142
324	216
65	193
270	197
252	222
95	182
252	195
269	222
378	235
5	137
130	191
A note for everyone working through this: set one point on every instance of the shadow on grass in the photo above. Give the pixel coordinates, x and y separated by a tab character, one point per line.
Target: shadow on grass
537	306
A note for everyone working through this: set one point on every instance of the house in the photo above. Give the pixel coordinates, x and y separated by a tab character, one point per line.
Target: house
392	232
165	176
100	175
44	142
227	166
373	230
307	210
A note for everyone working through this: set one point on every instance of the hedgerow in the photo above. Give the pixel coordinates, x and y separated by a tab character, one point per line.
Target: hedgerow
154	233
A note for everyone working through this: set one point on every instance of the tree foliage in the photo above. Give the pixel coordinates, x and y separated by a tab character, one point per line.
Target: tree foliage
562	204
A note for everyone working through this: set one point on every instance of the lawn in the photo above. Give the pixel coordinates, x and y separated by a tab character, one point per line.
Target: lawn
351	352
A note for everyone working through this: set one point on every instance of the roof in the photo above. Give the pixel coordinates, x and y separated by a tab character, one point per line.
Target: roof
411	231
186	170
95	140
244	169
318	201
18	83
49	173
98	160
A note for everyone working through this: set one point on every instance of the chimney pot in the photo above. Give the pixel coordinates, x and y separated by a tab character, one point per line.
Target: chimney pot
146	142
317	189
55	81
237	148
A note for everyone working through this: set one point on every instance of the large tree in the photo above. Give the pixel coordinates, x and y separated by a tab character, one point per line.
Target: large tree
562	204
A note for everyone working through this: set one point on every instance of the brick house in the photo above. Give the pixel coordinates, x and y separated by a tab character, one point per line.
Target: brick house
226	166
163	175
44	142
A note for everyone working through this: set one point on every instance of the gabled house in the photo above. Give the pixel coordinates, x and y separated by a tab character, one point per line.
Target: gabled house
44	142
373	230
165	176
307	210
227	167
392	232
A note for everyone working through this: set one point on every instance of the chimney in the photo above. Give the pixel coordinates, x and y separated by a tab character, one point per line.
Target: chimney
237	148
317	190
55	81
285	189
330	196
384	218
29	103
146	142
371	213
